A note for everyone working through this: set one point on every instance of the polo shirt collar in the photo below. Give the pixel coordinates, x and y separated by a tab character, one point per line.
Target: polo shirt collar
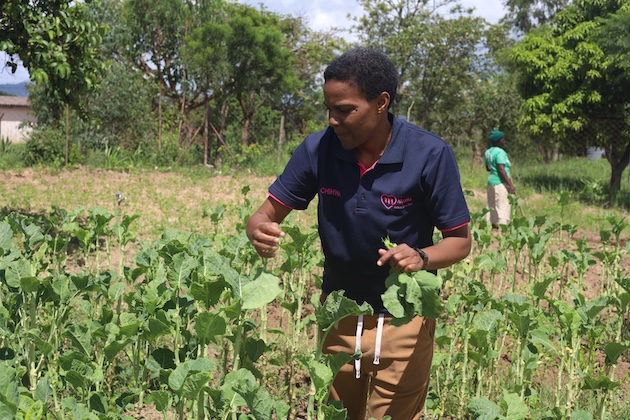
394	152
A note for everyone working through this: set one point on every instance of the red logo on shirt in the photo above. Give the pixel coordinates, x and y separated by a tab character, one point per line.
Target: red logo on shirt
330	191
393	202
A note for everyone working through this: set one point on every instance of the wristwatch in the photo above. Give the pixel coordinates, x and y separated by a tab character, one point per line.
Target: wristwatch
425	258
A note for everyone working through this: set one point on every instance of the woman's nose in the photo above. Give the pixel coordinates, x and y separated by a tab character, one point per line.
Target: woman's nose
332	120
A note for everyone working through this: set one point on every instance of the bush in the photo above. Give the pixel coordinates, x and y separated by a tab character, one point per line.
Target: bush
48	146
11	155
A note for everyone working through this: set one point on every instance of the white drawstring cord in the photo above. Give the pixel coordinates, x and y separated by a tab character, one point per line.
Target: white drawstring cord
357	347
379	337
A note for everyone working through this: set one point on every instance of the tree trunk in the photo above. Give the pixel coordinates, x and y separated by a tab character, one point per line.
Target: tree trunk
159	145
206	136
550	151
249	110
67	133
245	130
617	165
281	137
223	114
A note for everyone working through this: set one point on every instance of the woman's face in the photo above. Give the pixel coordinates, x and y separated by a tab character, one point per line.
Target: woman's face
354	118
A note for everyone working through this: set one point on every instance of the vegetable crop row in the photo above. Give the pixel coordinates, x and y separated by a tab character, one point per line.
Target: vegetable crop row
95	324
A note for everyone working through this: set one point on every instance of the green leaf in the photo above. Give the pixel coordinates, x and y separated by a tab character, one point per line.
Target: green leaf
613	351
228	394
76	379
113	348
80	338
261	291
43	346
255	396
624	282
209	325
581	415
34	411
409	295
78	410
6	236
515	408
483	409
163	358
179	272
129	324
98	402
321	375
207	291
155	294
332	412
336	307
603	382
194	383
161	399
29	284
9	393
16	271
43	391
178	377
155	329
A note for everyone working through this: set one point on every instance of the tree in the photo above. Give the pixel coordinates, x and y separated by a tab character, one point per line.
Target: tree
526	15
439	57
152	35
301	105
573	77
58	44
259	61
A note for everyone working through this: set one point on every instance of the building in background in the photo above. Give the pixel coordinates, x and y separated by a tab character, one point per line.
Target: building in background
16	118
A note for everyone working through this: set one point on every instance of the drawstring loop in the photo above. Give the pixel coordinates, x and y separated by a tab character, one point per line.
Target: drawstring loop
357	347
379	338
377	344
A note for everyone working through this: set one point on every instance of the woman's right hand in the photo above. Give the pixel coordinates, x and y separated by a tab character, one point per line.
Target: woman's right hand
265	237
263	227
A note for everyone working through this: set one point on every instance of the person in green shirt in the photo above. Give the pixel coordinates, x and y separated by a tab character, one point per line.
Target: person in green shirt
500	183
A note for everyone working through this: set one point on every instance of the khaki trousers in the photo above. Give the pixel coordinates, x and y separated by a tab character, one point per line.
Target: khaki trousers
499	205
398	385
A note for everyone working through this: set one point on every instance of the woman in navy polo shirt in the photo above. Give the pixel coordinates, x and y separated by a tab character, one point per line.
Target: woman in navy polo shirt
375	176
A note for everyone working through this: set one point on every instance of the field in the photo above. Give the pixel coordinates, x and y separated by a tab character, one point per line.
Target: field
136	295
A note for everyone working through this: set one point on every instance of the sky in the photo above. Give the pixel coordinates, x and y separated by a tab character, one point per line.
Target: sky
323	14
320	15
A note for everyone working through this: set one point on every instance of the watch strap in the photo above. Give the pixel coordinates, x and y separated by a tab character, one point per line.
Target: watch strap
424	256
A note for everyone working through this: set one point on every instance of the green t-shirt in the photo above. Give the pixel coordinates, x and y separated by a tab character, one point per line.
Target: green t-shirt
496	156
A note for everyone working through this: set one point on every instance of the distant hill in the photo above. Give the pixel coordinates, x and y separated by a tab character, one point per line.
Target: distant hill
15	89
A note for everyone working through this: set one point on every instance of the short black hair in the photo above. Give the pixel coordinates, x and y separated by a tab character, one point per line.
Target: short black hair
369	69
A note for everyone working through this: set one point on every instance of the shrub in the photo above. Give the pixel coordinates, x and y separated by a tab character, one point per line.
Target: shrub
48	146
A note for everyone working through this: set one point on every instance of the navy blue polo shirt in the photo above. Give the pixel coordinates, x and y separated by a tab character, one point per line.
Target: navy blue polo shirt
412	189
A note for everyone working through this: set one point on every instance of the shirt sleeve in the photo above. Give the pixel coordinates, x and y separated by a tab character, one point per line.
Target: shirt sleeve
501	157
446	202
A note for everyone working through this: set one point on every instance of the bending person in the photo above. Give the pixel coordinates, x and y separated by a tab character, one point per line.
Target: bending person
375	176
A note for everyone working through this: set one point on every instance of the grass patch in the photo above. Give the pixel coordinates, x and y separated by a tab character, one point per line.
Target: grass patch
586	180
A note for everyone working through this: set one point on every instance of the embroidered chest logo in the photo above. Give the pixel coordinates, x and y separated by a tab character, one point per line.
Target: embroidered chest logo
330	191
392	202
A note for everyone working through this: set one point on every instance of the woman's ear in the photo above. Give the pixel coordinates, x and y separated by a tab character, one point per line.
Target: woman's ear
382	102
